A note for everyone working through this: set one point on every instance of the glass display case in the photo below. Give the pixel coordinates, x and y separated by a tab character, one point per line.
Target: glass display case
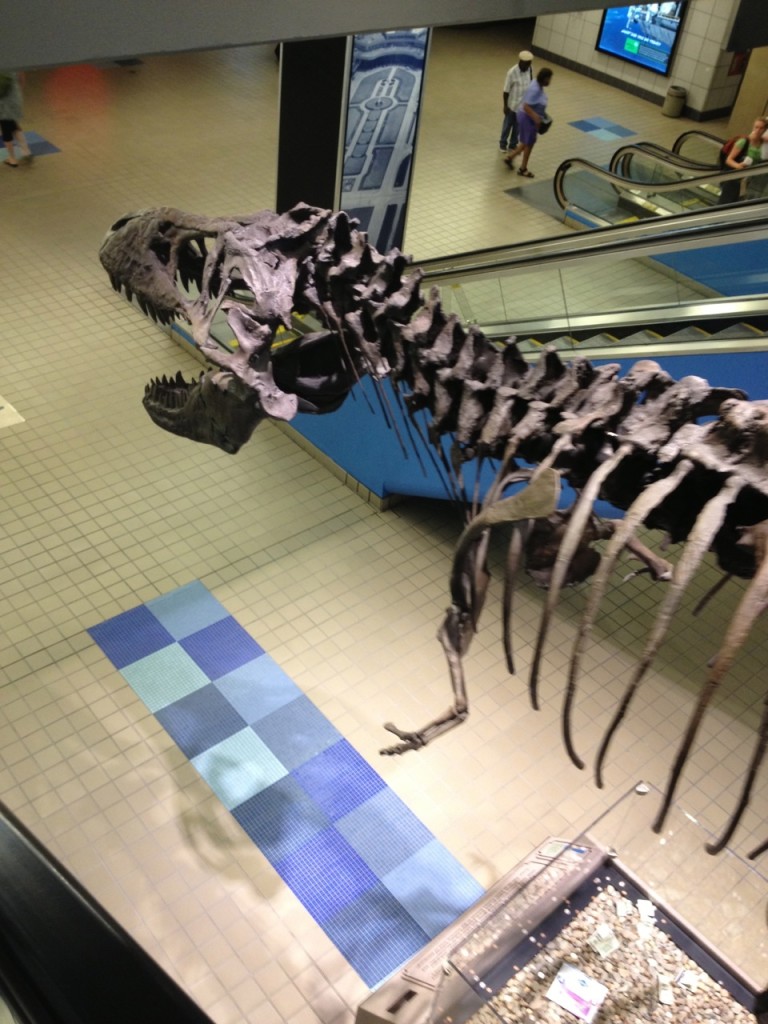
617	924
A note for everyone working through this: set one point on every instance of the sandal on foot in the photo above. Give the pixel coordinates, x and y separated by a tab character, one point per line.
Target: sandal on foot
525	173
10	163
509	162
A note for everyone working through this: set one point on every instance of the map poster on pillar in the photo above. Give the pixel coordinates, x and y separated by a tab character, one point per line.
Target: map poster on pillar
385	85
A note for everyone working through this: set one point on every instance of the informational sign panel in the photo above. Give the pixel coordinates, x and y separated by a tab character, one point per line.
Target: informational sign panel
385	85
644	34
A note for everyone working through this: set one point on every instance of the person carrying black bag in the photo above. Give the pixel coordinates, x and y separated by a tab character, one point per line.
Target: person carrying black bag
531	118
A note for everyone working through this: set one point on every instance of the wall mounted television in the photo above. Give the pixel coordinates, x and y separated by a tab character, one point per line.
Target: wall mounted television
644	34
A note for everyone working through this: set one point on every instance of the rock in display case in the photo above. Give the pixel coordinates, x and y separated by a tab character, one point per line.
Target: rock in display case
615	926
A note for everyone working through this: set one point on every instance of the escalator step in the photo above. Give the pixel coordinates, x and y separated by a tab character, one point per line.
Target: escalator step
644	337
692	333
739	331
600	339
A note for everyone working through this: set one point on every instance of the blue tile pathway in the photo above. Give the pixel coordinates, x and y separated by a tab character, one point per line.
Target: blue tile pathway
602	128
367	870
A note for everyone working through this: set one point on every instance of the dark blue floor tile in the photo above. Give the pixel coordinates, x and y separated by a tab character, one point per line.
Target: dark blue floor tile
130	636
384	831
584	126
280	819
326	874
200	720
296	732
339	779
221	647
375	934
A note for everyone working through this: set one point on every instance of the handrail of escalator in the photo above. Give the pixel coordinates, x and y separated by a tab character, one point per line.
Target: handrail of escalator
621	161
718	225
696	133
660	317
657	188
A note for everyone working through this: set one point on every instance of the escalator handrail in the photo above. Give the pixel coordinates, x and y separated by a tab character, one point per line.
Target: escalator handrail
680	141
622	159
660	188
725	308
716	226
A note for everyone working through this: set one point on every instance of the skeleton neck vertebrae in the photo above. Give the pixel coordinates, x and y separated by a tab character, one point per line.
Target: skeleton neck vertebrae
683	457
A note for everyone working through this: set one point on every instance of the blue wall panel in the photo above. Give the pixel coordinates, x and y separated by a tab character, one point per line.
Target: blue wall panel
357	437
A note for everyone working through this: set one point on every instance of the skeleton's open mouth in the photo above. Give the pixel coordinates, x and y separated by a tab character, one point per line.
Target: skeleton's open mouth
257	271
216	409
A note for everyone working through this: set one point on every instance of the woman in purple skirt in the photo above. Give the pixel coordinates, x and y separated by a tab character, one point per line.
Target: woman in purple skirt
530	114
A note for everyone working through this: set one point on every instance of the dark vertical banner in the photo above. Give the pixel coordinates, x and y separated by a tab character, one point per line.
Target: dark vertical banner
386	78
313	91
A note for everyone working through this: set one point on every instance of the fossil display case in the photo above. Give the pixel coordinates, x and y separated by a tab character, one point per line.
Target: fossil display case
617	924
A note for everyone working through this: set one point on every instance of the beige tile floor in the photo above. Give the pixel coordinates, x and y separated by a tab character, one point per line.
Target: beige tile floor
99	512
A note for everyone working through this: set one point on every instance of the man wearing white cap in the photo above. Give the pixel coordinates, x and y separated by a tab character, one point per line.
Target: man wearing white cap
519	77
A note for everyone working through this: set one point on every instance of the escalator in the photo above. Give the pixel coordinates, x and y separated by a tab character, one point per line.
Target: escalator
633	160
645	180
695	149
687	286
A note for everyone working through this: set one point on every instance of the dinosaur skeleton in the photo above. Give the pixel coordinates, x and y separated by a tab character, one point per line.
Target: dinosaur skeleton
636	441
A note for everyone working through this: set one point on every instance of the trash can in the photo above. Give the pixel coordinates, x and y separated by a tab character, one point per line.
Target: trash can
674	101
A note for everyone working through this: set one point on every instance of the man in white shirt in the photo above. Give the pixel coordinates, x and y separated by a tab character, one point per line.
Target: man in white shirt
519	77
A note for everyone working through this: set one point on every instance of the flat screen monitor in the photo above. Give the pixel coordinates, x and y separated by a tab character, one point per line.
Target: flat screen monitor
644	34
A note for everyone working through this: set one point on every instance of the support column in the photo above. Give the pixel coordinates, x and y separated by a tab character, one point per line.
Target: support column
359	100
313	96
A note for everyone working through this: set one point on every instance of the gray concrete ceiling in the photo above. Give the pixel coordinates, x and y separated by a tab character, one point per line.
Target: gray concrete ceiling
43	33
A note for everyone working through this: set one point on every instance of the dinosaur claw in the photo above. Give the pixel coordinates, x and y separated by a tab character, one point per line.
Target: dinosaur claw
411	741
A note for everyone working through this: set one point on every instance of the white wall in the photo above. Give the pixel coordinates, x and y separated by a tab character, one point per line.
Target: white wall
700	65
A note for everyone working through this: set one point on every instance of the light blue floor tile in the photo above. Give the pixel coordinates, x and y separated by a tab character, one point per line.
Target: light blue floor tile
433	887
187	610
239	767
375	934
384	831
258	688
164	677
